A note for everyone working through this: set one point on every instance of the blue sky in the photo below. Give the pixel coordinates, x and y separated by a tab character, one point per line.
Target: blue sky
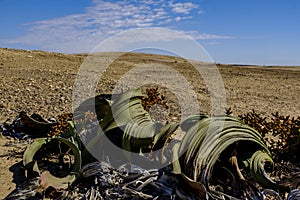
265	32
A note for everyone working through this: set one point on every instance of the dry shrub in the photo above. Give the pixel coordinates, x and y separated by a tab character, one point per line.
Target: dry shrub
281	133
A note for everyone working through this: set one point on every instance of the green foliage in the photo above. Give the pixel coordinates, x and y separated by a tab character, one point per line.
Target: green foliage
209	145
209	138
47	179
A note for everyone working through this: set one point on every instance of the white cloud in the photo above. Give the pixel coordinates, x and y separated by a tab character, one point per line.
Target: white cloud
178	19
184	8
81	32
205	36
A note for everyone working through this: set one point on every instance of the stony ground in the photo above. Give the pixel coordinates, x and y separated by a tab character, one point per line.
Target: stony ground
42	82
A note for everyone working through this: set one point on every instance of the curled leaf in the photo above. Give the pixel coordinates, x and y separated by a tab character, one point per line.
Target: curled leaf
47	179
209	138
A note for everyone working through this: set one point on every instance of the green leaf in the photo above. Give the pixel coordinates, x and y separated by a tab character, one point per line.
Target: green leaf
163	136
46	178
208	138
32	149
176	167
100	104
127	111
138	137
256	165
128	108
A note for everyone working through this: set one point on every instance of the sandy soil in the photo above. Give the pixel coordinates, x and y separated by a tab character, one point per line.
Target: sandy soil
42	82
